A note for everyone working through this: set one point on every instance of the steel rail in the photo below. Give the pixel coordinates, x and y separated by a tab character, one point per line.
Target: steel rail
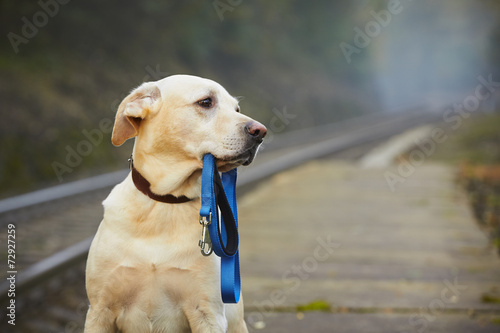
307	136
61	191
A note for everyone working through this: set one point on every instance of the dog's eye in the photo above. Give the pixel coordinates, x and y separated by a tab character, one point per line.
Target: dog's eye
238	109
205	103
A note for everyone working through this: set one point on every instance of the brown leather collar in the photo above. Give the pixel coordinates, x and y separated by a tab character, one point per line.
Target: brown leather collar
143	185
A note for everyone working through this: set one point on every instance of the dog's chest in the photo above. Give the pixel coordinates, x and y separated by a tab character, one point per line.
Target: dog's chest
146	267
156	283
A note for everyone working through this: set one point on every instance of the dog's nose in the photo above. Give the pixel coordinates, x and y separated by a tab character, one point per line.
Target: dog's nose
256	130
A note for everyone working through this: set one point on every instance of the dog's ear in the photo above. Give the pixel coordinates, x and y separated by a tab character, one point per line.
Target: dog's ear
132	110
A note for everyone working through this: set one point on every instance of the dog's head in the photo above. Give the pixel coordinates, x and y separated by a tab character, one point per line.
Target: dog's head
182	117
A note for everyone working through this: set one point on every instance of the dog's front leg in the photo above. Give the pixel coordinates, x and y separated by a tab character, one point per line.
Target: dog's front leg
235	318
205	319
100	321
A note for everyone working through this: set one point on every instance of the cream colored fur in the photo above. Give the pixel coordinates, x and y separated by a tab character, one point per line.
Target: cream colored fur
145	272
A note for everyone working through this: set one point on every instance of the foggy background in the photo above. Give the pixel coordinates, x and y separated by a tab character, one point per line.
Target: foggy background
66	65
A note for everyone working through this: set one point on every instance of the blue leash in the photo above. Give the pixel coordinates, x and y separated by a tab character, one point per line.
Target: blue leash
222	237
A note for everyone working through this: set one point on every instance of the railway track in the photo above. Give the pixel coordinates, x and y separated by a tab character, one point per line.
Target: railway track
54	227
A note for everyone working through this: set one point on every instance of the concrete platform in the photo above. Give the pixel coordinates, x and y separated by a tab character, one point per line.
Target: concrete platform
373	323
330	232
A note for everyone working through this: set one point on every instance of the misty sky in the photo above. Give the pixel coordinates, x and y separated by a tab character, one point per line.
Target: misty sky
431	51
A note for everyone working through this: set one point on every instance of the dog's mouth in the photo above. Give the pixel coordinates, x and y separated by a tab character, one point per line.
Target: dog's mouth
244	158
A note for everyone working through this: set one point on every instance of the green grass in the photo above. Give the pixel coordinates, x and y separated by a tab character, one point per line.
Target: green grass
475	147
317	305
476	141
490	299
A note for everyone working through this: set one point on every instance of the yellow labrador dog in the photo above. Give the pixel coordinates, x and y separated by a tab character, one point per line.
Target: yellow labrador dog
145	272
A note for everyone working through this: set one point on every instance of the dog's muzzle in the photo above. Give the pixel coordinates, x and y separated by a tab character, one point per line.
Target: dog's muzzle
256	133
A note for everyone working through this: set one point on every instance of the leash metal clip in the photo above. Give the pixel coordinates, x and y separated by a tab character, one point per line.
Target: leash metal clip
205	243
